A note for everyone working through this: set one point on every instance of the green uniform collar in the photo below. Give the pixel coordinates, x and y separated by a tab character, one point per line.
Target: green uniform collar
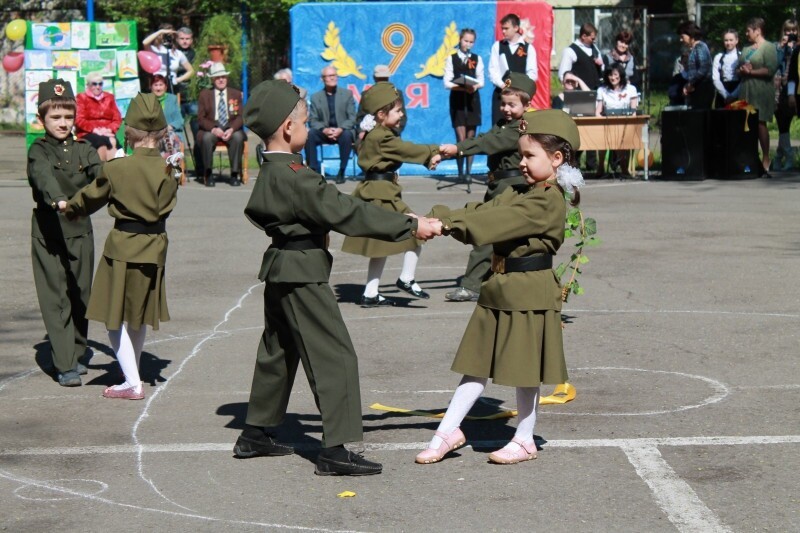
146	151
283	157
52	140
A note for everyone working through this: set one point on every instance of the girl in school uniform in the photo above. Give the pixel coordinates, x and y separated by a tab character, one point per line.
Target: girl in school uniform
514	335
128	292
380	155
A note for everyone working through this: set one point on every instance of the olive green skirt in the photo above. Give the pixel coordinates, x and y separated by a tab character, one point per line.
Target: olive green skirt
128	292
378	248
514	348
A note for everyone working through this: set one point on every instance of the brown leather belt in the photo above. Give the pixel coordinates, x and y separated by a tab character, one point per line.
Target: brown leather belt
145	228
385	176
505	265
301	242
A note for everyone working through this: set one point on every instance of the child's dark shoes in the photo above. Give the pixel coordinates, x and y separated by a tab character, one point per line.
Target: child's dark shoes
451	442
376	301
515	454
408	286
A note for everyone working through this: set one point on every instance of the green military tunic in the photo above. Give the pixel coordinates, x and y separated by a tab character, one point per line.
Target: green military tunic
383	151
129	284
302	321
501	144
514	334
62	251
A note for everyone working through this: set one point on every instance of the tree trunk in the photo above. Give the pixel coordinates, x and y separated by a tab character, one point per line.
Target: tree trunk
691	8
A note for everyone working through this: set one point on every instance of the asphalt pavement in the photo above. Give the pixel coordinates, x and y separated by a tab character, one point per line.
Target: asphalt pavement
683	352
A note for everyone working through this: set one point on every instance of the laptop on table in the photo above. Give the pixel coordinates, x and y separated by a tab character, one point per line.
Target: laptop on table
581	103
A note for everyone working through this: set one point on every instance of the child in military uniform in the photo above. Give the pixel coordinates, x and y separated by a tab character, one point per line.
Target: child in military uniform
302	322
501	145
128	292
380	155
514	335
62	250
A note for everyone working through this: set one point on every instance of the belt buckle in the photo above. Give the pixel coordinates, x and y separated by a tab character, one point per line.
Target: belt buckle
498	264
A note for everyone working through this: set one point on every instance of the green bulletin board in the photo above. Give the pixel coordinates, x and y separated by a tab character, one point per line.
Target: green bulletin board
71	50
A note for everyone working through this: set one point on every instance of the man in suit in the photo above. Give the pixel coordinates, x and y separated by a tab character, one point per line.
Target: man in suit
219	117
332	120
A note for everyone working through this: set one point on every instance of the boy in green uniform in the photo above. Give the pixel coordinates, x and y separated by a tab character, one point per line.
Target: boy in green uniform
302	323
62	250
500	143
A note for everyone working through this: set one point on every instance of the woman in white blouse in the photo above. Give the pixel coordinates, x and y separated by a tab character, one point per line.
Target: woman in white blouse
616	93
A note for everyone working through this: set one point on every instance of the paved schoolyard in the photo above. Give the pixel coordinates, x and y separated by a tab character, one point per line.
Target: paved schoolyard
683	352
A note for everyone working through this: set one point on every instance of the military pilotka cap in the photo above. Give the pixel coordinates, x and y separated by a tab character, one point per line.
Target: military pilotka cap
551	122
145	113
269	105
522	82
51	88
379	95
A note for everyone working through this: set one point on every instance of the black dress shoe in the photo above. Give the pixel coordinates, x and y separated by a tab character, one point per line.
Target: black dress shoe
235	181
376	301
340	177
409	288
210	181
339	461
264	446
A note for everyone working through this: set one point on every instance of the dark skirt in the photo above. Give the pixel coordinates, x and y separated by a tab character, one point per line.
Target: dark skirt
465	108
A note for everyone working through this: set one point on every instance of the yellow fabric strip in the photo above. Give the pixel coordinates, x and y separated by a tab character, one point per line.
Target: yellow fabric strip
562	394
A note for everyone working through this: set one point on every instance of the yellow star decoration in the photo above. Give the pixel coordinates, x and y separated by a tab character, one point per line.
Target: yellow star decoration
434	66
335	52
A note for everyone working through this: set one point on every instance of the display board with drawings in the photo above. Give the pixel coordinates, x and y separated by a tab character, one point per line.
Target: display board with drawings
70	51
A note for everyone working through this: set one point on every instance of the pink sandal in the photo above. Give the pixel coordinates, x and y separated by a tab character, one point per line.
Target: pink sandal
451	442
526	452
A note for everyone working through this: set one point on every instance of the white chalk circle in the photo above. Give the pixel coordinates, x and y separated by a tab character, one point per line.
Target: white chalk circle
60	489
606	387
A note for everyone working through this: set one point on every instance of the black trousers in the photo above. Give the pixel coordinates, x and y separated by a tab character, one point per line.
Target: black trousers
316	138
235	144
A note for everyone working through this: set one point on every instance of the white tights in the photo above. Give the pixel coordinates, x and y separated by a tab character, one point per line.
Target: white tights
128	344
467	393
375	270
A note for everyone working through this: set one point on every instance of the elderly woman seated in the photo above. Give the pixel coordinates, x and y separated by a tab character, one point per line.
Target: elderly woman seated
97	117
172	143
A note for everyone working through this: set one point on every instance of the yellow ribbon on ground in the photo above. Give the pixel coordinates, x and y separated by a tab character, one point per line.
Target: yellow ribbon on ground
563	393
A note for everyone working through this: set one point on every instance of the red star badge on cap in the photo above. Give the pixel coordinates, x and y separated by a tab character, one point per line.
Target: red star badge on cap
58	89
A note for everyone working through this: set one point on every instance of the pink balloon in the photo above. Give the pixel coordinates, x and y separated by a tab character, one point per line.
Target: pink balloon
150	62
13	61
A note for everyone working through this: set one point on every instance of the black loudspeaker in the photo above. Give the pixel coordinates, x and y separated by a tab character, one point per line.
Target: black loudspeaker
732	152
683	153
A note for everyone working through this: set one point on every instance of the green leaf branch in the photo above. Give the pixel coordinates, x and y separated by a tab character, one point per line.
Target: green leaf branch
584	230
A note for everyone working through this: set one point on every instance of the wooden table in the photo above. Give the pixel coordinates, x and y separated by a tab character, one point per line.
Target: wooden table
615	133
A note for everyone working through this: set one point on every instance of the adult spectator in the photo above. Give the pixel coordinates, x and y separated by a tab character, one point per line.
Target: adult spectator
161	42
723	70
465	100
97	117
511	54
757	67
621	55
172	142
285	74
380	73
332	120
784	156
699	88
219	117
616	93
582	58
571	82
678	80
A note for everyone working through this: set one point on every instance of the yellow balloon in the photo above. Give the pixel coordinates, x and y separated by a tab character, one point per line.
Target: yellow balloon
16	29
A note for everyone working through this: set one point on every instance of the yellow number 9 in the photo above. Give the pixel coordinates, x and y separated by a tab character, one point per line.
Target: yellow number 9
399	51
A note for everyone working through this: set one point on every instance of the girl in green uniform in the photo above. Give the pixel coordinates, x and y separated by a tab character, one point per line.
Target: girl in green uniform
380	155
128	292
514	335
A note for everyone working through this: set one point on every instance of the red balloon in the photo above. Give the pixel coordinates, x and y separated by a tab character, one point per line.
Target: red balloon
149	61
13	61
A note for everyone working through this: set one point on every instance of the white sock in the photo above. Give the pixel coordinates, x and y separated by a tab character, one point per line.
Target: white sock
409	271
527	403
137	340
374	271
467	393
126	357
